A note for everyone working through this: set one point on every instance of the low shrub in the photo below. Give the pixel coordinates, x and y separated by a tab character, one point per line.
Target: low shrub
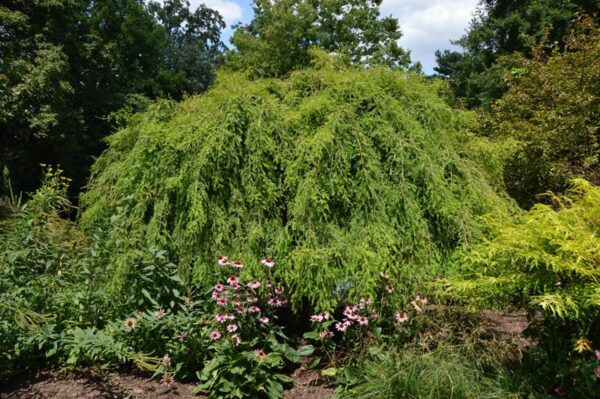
548	262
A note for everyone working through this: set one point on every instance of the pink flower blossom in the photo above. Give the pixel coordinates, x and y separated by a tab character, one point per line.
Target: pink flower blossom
219	287
401	317
254	285
268	284
268	262
232	327
316	318
260	354
220	318
160	313
221	301
233	280
223	261
597	354
384	275
167	379
326	334
559	391
215	335
375	315
166	360
253	309
418	303
341	326
182	337
389	288
264	320
130	323
363	321
237	265
597	372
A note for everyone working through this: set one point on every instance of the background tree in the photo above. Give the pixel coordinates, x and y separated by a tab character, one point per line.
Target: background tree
67	65
279	37
504	27
553	109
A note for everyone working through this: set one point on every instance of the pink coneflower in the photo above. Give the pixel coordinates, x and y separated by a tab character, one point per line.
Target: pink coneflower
215	335
559	391
130	323
253	309
316	318
221	301
384	275
418	303
375	315
220	318
363	321
597	372
233	280
167	379
401	317
260	354
219	287
341	326
264	320
280	302
597	354
166	360
326	334
389	289
268	284
254	285
268	262
182	337
160	313
223	261
237	265
232	327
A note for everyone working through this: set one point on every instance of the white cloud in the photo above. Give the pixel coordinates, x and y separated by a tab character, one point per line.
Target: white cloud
429	25
229	9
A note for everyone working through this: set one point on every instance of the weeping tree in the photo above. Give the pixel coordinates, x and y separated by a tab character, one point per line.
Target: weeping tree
336	174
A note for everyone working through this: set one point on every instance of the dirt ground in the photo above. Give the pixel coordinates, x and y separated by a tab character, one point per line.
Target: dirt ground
308	384
91	384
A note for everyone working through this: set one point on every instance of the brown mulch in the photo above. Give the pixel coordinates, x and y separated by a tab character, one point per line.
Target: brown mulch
92	384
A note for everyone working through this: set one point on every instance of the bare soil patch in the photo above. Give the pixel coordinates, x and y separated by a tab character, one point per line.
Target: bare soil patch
93	384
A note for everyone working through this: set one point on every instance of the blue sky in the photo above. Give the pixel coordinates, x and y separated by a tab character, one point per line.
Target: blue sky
428	25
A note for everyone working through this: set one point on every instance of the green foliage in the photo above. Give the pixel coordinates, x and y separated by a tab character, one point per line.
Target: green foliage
547	259
67	65
553	109
338	174
280	37
414	374
500	29
548	262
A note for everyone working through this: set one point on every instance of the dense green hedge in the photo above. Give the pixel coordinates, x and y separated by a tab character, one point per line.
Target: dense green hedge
337	174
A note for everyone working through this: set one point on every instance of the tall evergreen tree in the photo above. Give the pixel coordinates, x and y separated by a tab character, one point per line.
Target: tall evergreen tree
501	28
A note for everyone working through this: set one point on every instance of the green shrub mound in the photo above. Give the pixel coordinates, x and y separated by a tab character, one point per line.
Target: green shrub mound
336	174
